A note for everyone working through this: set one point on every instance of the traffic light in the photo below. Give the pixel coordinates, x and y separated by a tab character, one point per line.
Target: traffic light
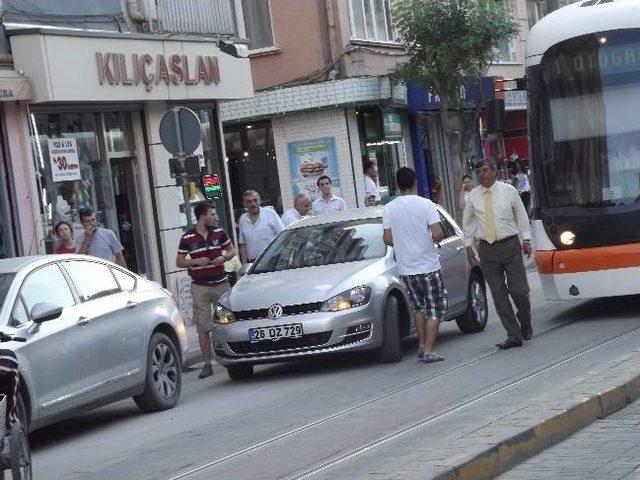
211	186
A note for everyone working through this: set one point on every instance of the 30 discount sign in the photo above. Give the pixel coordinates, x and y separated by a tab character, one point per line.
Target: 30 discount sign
63	154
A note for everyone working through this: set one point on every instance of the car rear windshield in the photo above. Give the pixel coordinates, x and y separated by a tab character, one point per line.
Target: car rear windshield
5	284
326	244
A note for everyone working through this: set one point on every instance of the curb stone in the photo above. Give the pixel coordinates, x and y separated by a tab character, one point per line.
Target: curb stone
495	447
576	414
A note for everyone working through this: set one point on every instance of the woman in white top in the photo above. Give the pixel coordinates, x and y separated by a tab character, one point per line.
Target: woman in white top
522	184
465	192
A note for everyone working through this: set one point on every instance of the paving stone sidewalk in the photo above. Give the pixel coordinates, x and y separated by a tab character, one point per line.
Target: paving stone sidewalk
608	449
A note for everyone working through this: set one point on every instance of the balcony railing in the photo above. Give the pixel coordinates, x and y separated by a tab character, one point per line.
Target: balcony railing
205	17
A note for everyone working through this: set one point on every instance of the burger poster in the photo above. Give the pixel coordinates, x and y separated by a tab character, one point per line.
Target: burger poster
309	160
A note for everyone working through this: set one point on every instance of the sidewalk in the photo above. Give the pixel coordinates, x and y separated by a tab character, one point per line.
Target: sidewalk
488	446
192	355
610	448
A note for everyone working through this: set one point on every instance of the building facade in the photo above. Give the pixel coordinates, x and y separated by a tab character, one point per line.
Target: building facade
85	131
324	102
99	75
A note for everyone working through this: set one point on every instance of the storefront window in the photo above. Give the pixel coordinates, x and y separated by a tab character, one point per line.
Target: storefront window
212	161
87	160
380	149
252	164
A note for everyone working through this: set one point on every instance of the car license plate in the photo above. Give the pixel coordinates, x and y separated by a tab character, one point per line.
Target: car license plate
259	334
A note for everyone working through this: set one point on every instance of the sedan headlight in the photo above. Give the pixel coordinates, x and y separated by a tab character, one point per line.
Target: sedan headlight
223	315
356	297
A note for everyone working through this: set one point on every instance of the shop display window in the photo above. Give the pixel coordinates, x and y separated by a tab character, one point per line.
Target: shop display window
87	160
386	154
252	164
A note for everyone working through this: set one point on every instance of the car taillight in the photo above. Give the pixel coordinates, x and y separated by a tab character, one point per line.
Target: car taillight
173	298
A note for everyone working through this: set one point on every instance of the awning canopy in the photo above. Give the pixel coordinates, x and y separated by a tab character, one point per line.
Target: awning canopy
72	66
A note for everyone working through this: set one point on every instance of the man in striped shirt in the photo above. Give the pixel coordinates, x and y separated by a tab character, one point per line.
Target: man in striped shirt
9	385
203	250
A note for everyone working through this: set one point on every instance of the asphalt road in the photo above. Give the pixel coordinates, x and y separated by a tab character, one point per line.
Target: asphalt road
326	418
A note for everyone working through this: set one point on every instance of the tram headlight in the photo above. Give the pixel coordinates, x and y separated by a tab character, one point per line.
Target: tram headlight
567	237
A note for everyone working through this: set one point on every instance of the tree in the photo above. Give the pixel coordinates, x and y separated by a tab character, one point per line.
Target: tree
448	41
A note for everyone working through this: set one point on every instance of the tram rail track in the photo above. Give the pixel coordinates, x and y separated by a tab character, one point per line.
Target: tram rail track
341	458
341	413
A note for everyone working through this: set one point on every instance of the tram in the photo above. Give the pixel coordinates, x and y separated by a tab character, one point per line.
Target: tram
583	83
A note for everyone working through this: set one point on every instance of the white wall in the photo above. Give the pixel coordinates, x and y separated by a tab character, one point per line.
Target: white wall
166	193
310	126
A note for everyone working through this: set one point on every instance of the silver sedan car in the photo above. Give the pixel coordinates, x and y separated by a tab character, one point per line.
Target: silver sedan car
93	333
329	284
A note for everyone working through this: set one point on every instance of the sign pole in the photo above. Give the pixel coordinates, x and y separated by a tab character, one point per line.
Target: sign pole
181	133
182	168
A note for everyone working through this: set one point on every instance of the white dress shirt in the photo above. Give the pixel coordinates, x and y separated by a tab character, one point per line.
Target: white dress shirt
371	188
256	236
522	182
321	206
509	213
290	216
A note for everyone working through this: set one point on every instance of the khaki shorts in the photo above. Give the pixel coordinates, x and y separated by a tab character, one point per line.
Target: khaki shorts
204	299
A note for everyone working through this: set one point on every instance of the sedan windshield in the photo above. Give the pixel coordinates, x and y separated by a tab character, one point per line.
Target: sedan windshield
323	245
5	284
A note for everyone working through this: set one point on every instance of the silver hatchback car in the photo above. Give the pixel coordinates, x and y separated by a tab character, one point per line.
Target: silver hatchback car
329	284
94	334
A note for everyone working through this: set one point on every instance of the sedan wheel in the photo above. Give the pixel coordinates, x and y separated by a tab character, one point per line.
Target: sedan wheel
164	376
391	350
475	318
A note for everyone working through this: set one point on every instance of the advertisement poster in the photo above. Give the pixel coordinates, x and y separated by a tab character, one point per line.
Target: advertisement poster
63	154
311	159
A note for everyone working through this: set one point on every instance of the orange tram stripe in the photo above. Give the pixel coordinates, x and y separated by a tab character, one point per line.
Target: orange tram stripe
588	259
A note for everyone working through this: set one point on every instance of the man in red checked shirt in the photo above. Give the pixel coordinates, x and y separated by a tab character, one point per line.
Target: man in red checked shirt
203	250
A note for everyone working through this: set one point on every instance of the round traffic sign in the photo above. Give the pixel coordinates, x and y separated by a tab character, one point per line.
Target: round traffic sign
180	131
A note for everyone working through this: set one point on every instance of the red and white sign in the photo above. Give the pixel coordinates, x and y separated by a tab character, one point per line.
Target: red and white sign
65	165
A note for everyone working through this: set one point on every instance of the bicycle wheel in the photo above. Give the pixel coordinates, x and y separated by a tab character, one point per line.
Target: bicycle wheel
20	453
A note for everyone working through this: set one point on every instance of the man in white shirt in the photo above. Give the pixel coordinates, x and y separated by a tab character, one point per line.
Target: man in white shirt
301	208
328	202
412	227
257	227
493	218
371	180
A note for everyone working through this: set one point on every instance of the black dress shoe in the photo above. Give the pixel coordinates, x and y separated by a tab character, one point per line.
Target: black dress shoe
527	332
507	344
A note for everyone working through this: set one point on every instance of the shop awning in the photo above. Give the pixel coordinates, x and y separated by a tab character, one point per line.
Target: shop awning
13	86
74	66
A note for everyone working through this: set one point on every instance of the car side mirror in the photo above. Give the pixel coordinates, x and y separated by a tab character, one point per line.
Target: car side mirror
43	312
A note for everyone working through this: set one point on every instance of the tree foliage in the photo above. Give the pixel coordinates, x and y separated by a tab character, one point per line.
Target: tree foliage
447	41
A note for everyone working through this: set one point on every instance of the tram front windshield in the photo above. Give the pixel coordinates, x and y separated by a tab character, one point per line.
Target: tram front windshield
587	99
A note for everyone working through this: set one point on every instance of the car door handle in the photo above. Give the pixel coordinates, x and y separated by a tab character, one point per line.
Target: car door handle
459	248
131	304
82	321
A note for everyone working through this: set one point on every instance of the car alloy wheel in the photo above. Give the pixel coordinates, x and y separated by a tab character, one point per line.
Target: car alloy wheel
164	370
476	315
163	382
478	302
